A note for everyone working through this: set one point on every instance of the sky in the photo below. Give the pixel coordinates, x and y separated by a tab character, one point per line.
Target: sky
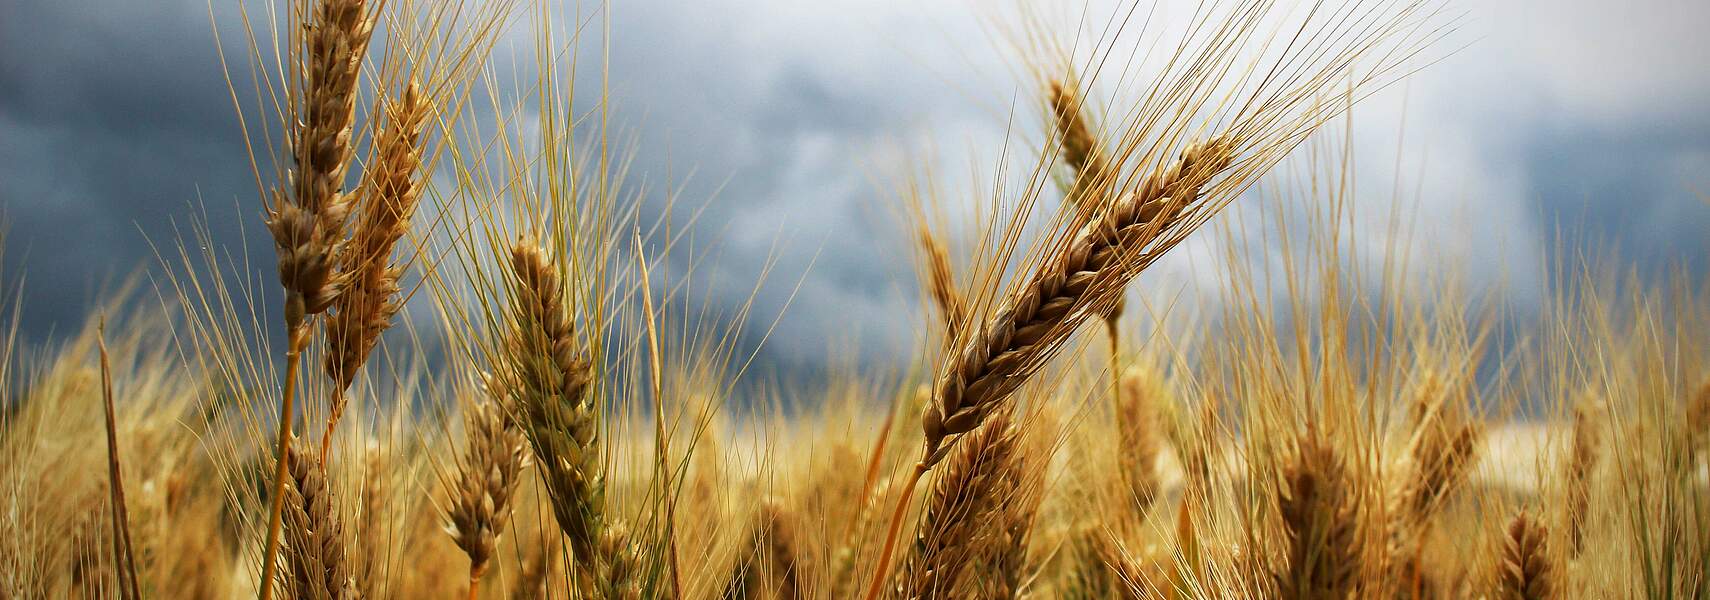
786	120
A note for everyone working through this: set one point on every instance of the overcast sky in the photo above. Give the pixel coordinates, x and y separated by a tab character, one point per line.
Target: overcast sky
1583	114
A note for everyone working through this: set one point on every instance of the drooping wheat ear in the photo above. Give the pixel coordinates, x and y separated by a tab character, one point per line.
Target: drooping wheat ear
941	282
1082	277
486	479
1320	518
773	566
549	383
961	510
1582	462
367	299
1525	572
314	542
1138	436
307	220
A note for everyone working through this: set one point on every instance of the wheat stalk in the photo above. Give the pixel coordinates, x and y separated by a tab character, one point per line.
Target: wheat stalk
367	300
123	556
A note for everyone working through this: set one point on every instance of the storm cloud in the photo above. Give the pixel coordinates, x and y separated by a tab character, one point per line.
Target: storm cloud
781	117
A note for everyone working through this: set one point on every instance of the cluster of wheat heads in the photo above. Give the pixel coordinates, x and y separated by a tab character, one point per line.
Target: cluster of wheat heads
557	421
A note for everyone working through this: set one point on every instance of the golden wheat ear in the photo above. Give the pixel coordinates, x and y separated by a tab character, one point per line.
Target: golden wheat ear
494	457
368	297
1525	572
1320	518
314	541
308	213
965	503
550	381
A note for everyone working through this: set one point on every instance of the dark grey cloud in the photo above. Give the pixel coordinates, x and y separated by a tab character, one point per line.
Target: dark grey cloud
786	121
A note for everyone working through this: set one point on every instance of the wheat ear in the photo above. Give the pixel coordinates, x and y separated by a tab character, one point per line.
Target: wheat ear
1320	519
487	477
1582	462
307	215
1525	572
966	496
549	382
775	562
368	300
1092	179
941	282
1442	448
314	542
1083	276
1137	434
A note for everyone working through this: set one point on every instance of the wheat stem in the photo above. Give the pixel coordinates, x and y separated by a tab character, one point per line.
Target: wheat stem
293	351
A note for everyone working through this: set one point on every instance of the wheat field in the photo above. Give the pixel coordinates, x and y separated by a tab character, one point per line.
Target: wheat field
472	369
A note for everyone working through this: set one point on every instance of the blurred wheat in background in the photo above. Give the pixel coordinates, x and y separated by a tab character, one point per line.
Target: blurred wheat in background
493	382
